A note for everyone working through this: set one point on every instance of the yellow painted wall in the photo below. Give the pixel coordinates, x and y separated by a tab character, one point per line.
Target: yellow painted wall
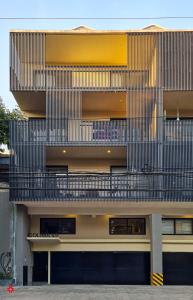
89	227
92	234
101	246
86	49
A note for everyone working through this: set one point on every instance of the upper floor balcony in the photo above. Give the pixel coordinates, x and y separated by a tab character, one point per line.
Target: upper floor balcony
115	132
105	60
62	132
159	166
128	186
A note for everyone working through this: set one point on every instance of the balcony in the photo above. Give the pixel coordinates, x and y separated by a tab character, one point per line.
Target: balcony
128	186
83	78
59	132
67	131
85	132
92	78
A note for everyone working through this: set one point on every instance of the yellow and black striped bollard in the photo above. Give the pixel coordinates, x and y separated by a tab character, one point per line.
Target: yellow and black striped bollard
157	279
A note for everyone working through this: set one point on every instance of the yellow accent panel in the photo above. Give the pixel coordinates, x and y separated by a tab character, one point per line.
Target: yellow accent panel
89	49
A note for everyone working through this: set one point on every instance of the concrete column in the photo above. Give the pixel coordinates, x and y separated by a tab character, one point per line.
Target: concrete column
156	249
23	254
49	267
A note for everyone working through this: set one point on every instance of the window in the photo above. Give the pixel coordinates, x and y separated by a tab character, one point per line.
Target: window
58	226
126	226
168	226
183	226
177	226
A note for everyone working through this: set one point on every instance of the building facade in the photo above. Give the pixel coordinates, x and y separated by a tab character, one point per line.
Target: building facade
101	169
6	219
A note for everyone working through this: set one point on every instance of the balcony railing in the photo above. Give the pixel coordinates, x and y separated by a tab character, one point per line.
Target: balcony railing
78	78
102	186
68	131
76	131
53	131
178	130
93	78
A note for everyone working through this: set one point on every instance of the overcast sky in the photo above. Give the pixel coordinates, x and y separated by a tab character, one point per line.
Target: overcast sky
83	8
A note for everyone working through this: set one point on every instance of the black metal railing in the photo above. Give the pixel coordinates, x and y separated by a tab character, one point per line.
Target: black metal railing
52	131
78	131
103	186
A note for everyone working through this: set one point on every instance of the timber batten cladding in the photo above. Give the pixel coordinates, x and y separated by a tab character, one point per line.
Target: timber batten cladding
152	68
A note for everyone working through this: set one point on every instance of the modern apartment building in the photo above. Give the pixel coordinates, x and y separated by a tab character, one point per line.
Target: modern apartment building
101	169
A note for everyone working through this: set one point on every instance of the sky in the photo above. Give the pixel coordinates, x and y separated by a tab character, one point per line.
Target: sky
83	8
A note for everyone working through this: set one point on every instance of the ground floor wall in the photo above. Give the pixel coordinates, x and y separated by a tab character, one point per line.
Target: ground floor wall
93	237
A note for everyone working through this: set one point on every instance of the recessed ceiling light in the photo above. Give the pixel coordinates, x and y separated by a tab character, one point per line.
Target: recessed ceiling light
108	151
64	151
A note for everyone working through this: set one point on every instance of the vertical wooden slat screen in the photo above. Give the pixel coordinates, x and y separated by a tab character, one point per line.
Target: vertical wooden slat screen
144	112
177	60
61	106
27	61
178	158
27	155
143	100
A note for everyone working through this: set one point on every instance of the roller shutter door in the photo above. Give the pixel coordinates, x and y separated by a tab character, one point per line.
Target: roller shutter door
178	268
100	267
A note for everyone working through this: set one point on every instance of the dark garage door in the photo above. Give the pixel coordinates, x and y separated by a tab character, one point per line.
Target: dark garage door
178	268
100	267
40	268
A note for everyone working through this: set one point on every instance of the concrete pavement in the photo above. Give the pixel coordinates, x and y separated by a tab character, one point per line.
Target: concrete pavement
98	292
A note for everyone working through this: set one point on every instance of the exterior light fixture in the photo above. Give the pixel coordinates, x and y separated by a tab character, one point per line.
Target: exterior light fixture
109	151
178	115
64	151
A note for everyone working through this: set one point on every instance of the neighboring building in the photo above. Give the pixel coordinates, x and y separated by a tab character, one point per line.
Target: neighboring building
6	214
101	172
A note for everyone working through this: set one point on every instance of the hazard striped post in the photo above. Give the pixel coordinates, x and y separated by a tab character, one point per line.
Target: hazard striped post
156	250
156	279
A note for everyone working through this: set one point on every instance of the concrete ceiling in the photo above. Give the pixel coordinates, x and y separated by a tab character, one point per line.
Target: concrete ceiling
178	101
33	104
85	152
100	102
